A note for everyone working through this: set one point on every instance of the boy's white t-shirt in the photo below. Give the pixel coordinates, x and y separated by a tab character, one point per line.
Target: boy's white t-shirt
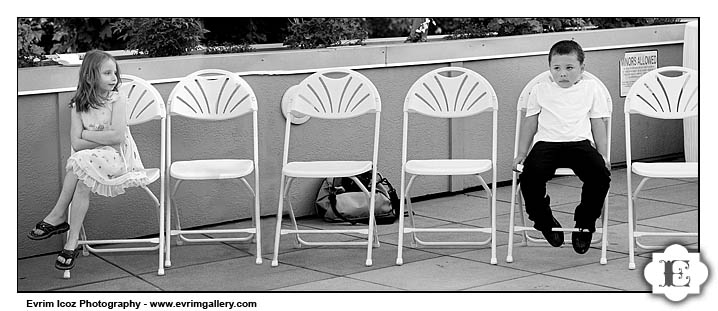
565	113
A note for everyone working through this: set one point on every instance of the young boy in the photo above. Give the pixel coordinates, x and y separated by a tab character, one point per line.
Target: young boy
564	117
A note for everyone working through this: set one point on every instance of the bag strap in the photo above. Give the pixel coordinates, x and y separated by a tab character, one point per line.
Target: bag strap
393	197
333	204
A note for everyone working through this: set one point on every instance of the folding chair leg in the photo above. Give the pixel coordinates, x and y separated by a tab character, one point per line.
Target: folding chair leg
492	212
376	235
370	237
293	218
66	273
604	233
632	221
298	242
257	239
412	222
631	229
371	230
512	216
520	205
400	246
494	260
179	224
278	227
171	203
400	243
161	221
257	223
83	237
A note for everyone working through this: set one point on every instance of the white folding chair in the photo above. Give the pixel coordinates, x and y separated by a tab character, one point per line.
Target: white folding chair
664	93
449	92
214	95
330	94
144	104
545	77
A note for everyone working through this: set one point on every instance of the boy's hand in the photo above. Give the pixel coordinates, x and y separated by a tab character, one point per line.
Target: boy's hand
607	162
517	166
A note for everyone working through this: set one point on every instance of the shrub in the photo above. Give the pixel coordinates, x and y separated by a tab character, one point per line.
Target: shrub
240	30
465	28
157	37
73	35
384	27
324	32
619	22
228	48
29	33
419	29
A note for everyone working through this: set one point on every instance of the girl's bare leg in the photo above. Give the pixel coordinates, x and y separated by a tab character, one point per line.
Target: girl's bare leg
80	203
58	214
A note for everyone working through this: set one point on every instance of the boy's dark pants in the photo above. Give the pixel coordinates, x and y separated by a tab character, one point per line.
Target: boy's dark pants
585	161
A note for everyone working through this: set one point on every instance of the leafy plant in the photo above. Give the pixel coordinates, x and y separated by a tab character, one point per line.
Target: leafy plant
73	35
240	30
419	29
228	48
384	27
158	37
324	32
619	22
29	33
465	28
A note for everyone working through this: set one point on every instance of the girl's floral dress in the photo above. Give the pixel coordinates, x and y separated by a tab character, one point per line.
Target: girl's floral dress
107	170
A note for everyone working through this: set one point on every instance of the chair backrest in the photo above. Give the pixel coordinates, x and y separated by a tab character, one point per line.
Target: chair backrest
450	92
212	94
545	77
144	102
335	94
658	95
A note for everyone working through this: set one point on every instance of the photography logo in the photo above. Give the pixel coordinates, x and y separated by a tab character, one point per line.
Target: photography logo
676	273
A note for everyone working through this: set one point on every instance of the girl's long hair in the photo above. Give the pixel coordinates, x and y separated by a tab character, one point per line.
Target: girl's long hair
87	96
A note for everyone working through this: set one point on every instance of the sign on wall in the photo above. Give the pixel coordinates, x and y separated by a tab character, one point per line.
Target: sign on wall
633	66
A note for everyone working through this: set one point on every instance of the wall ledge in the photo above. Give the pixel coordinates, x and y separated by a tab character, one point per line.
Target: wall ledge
379	54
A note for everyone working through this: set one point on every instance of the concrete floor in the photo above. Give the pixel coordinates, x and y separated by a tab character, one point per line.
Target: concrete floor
670	205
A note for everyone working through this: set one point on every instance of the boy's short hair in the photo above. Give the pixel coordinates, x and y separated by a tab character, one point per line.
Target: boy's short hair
566	47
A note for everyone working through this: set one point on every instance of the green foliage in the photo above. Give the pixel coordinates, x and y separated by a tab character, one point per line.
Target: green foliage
419	29
29	33
619	22
465	28
324	32
383	27
153	37
240	30
228	48
158	37
73	35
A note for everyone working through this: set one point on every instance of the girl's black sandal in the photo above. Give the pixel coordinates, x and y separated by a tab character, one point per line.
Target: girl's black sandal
48	230
67	254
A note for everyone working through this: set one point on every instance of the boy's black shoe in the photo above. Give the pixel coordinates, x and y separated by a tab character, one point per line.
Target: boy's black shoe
555	238
581	240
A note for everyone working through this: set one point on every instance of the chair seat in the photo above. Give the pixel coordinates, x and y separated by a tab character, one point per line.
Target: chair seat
447	167
319	169
564	172
666	169
211	169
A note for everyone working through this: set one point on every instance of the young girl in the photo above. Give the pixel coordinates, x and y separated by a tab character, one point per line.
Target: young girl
105	159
